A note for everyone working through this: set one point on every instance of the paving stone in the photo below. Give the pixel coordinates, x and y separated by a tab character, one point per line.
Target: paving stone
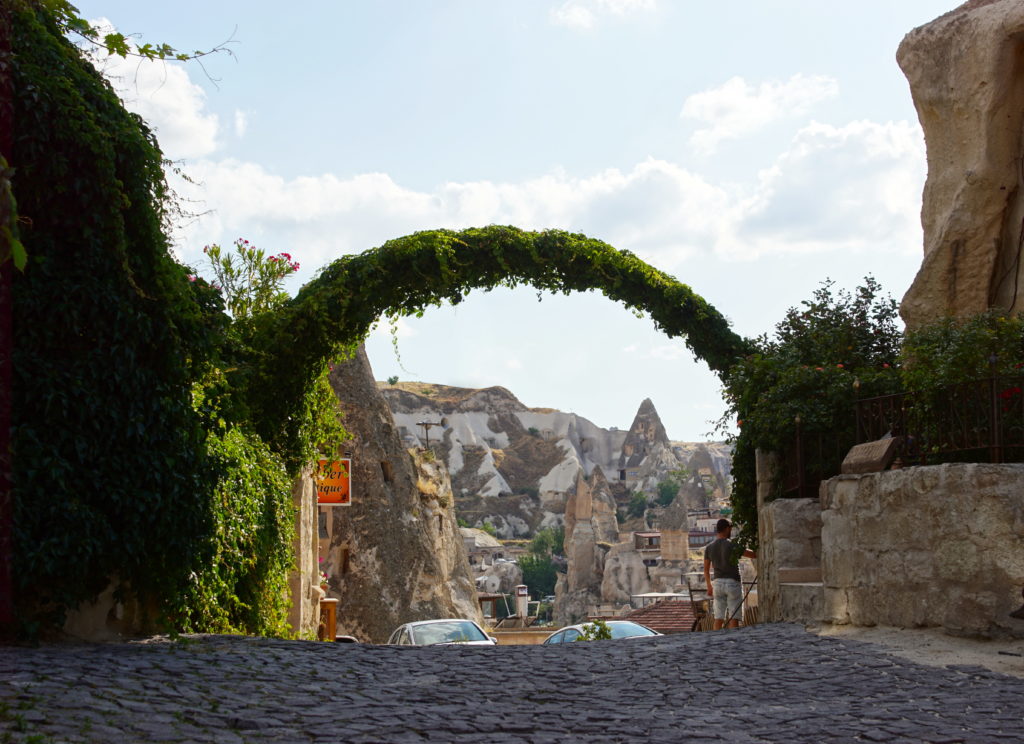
770	683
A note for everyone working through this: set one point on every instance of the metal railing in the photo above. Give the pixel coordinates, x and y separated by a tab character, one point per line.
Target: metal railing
979	421
810	459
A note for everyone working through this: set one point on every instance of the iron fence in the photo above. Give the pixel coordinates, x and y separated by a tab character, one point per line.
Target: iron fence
979	421
812	458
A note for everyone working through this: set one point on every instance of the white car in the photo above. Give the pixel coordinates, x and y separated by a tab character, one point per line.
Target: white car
441	633
619	628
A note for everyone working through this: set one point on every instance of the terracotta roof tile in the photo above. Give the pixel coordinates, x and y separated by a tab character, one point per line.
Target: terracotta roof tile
666	616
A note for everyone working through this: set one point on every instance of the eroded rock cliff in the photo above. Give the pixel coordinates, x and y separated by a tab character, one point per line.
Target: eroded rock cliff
966	74
516	467
396	554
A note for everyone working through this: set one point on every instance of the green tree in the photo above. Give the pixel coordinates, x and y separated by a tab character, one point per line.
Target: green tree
539	574
823	355
548	541
637	505
668	489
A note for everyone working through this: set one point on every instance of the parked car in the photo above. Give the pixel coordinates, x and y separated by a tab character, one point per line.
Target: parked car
441	633
619	628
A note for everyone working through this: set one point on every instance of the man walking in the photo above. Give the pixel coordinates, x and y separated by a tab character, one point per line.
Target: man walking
725	590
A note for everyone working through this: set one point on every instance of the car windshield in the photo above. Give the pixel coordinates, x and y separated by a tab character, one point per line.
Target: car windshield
628	630
450	631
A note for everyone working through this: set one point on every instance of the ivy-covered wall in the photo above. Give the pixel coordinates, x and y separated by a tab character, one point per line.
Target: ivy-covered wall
109	464
116	475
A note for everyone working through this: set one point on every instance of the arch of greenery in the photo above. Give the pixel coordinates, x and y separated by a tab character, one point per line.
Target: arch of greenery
153	436
406	275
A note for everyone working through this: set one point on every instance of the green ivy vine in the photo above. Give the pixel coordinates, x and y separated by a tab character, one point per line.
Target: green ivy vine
409	274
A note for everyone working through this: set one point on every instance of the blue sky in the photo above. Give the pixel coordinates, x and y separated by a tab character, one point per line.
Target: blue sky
750	149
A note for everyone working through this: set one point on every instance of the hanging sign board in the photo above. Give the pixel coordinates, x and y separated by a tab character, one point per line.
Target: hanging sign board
334	483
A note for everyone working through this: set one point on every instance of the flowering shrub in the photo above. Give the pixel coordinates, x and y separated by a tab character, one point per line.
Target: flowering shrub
823	355
251	281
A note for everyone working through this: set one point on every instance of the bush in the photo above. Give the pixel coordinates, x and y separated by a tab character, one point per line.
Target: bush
807	372
539	574
597	630
241	583
637	505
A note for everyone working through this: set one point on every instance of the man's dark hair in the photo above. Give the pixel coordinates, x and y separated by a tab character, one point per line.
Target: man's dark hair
722	525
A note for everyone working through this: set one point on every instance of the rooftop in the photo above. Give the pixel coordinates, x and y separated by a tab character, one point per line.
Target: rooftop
666	616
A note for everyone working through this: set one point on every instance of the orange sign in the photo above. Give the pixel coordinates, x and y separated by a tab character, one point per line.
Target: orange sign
334	482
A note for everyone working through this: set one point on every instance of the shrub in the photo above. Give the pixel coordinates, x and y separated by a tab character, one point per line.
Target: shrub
637	505
807	372
597	630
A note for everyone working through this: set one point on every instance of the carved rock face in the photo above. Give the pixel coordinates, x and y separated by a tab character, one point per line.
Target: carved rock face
966	73
396	554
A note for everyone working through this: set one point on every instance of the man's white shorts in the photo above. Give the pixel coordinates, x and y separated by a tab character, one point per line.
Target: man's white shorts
728	597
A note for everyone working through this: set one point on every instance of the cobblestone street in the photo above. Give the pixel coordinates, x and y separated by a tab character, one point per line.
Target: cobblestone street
770	683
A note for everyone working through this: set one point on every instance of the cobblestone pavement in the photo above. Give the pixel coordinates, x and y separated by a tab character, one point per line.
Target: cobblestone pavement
770	683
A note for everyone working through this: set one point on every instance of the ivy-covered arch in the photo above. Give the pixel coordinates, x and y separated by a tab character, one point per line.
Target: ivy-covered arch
406	275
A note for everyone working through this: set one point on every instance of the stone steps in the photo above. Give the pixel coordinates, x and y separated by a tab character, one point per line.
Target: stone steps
802	601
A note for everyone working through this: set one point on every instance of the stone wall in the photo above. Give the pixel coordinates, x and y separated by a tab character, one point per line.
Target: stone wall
928	546
304	615
789	552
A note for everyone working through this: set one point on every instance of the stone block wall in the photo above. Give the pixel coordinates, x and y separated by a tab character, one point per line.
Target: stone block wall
939	546
790	538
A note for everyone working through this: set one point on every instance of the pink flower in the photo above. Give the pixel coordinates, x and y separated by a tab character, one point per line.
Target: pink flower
820	369
191	277
885	366
839	366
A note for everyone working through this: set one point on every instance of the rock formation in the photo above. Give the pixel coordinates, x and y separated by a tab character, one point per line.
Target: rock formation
396	554
591	529
514	466
645	435
966	73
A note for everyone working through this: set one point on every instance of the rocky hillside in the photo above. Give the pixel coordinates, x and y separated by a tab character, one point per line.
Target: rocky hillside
516	467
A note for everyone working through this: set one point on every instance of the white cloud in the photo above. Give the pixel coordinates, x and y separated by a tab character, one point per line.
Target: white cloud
583	15
851	188
736	108
387	330
835	188
162	94
241	123
855	187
